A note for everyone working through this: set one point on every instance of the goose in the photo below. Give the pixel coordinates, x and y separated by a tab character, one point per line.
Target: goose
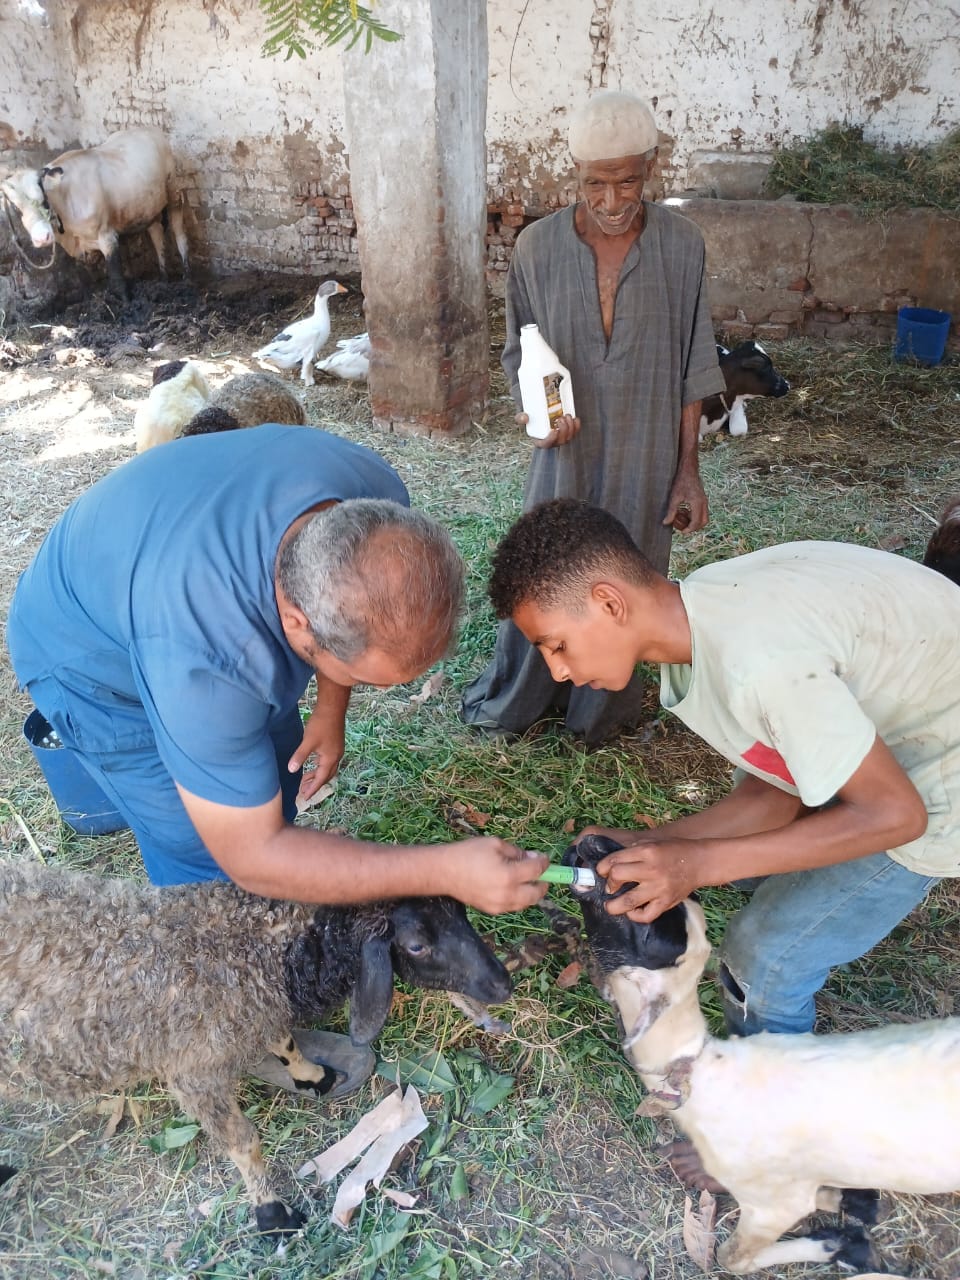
350	360
299	342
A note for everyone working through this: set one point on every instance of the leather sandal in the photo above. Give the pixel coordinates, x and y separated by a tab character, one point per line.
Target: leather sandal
346	1066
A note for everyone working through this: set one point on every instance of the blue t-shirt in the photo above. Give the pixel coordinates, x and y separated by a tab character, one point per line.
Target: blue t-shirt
151	601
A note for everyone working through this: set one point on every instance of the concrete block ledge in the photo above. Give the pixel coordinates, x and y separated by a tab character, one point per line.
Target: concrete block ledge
779	266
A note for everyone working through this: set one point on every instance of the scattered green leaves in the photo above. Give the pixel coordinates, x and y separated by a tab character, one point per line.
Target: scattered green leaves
490	1095
459	1187
382	1242
429	1072
175	1133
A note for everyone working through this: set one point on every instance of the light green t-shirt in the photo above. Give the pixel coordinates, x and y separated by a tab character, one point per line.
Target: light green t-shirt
803	653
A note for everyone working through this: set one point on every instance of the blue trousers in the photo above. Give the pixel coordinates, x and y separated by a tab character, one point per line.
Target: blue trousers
137	783
778	950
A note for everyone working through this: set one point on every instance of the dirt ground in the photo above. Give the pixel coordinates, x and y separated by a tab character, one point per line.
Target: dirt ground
69	387
856	447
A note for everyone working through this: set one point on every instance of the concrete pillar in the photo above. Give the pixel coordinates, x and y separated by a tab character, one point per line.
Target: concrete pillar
415	118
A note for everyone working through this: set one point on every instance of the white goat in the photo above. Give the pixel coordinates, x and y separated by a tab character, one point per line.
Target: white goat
784	1122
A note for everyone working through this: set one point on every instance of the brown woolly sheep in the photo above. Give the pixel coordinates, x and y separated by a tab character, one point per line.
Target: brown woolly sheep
255	398
105	983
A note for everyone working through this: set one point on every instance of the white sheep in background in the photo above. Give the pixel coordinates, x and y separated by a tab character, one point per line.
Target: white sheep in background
784	1122
105	983
179	392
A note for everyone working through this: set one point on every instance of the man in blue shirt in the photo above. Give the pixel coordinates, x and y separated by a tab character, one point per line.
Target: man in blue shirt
172	619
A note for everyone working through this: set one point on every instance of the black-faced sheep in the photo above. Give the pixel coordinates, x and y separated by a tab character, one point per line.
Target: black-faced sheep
787	1123
210	421
105	983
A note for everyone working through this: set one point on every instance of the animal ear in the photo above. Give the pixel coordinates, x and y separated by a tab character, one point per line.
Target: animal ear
372	993
639	996
643	1021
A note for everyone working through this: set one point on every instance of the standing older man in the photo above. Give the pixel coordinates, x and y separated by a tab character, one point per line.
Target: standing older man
172	619
617	286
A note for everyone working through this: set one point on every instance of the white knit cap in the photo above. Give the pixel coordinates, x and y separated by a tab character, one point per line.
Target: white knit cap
611	125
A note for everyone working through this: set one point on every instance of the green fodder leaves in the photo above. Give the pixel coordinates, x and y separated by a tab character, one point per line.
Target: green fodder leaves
839	166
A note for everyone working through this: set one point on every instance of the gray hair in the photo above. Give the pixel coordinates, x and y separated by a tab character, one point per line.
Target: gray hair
368	572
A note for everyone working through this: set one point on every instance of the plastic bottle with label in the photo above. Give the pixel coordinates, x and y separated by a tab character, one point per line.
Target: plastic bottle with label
546	390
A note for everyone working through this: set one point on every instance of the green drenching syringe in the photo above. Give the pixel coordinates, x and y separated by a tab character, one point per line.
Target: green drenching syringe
574	877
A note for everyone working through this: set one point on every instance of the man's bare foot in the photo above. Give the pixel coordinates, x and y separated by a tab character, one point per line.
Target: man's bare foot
683	1159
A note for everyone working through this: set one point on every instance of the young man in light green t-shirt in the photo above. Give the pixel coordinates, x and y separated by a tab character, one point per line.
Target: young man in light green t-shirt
829	674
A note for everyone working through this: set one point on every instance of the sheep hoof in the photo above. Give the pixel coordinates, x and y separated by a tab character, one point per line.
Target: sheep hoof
7	1171
862	1204
848	1247
275	1219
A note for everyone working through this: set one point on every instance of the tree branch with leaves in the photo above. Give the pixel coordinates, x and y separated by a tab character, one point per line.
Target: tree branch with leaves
300	26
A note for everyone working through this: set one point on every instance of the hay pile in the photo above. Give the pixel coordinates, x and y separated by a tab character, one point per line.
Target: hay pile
837	166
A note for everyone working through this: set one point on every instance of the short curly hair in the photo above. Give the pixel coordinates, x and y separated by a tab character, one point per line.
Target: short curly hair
556	552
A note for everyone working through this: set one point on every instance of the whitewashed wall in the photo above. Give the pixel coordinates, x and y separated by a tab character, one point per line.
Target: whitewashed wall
261	141
256	139
728	82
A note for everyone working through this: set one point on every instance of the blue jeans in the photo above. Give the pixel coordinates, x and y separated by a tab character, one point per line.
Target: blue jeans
136	781
778	950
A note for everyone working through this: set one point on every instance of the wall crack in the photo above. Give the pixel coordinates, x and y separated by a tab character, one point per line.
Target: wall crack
600	29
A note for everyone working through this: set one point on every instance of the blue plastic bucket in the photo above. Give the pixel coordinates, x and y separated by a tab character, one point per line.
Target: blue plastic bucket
921	334
82	804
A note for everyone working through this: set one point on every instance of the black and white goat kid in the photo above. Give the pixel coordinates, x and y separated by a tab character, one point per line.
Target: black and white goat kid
105	983
748	372
786	1123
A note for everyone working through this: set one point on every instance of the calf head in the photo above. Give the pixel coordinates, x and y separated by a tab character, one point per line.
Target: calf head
429	943
748	371
647	968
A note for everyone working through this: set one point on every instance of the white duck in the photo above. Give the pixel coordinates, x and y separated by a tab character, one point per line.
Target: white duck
299	342
350	360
